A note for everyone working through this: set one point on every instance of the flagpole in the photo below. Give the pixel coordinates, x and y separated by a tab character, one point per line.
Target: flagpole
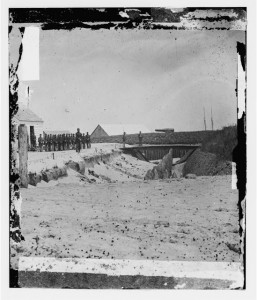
204	118
211	119
28	97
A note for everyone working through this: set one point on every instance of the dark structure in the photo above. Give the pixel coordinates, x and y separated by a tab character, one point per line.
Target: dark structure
156	152
165	130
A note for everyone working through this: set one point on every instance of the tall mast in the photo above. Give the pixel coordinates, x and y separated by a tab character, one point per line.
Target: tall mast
211	119
204	120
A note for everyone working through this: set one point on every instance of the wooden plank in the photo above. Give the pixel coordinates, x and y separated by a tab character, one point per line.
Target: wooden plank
23	155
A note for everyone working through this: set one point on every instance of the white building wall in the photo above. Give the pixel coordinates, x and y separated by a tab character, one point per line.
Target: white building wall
38	127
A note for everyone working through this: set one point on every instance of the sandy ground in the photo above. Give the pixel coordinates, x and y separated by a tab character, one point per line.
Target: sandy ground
38	161
175	219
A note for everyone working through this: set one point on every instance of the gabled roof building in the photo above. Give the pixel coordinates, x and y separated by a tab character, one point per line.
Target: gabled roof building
27	117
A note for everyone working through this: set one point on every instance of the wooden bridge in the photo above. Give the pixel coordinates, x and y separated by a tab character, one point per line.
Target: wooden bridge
156	152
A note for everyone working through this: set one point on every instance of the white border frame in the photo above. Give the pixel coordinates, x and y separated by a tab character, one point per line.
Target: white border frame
250	292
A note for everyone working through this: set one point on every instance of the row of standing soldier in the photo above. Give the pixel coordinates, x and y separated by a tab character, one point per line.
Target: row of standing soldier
60	142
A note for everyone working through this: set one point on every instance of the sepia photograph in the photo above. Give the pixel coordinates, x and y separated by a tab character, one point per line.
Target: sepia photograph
127	148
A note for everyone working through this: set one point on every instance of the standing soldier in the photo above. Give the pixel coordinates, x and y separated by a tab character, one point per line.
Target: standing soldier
54	142
45	142
59	142
73	141
52	148
140	138
83	140
48	143
40	142
68	141
88	140
51	142
124	139
63	142
78	140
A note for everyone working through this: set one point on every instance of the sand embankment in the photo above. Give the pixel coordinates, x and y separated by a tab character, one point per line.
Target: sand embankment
105	164
45	167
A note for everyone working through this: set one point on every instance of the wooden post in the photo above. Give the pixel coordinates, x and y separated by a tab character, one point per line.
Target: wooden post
23	155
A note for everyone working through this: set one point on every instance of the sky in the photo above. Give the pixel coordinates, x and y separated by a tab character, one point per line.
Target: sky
159	78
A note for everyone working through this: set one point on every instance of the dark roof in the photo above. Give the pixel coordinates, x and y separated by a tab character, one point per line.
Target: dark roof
27	115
